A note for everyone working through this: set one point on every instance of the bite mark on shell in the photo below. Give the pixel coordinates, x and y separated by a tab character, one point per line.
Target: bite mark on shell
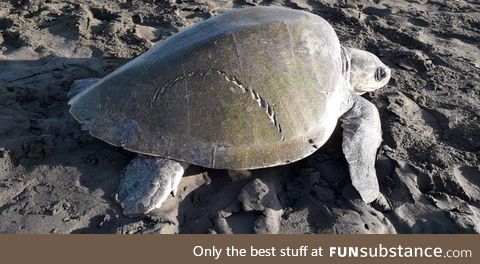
261	101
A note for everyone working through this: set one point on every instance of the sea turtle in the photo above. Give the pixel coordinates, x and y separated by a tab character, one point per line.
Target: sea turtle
251	88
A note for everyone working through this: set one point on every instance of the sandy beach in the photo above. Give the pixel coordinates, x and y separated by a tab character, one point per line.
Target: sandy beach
57	178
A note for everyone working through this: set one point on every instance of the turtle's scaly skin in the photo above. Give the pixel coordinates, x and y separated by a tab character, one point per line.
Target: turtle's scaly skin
251	88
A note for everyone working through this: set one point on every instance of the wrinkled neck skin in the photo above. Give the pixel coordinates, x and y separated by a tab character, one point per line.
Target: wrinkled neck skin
347	69
346	64
348	99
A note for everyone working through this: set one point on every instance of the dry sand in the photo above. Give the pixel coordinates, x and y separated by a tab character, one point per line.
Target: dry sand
55	178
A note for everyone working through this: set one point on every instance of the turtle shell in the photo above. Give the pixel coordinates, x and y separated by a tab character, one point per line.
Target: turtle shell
250	88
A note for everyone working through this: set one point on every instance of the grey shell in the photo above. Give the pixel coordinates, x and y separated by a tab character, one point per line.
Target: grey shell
250	88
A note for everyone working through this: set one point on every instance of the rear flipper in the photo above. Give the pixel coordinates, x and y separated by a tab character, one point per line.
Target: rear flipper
147	183
362	134
80	85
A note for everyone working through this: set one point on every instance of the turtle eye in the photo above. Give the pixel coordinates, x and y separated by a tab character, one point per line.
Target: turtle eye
380	74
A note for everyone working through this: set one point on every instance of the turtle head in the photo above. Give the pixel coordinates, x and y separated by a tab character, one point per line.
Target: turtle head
366	72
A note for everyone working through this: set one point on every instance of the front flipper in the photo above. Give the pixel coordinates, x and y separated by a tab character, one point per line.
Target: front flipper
147	183
362	134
